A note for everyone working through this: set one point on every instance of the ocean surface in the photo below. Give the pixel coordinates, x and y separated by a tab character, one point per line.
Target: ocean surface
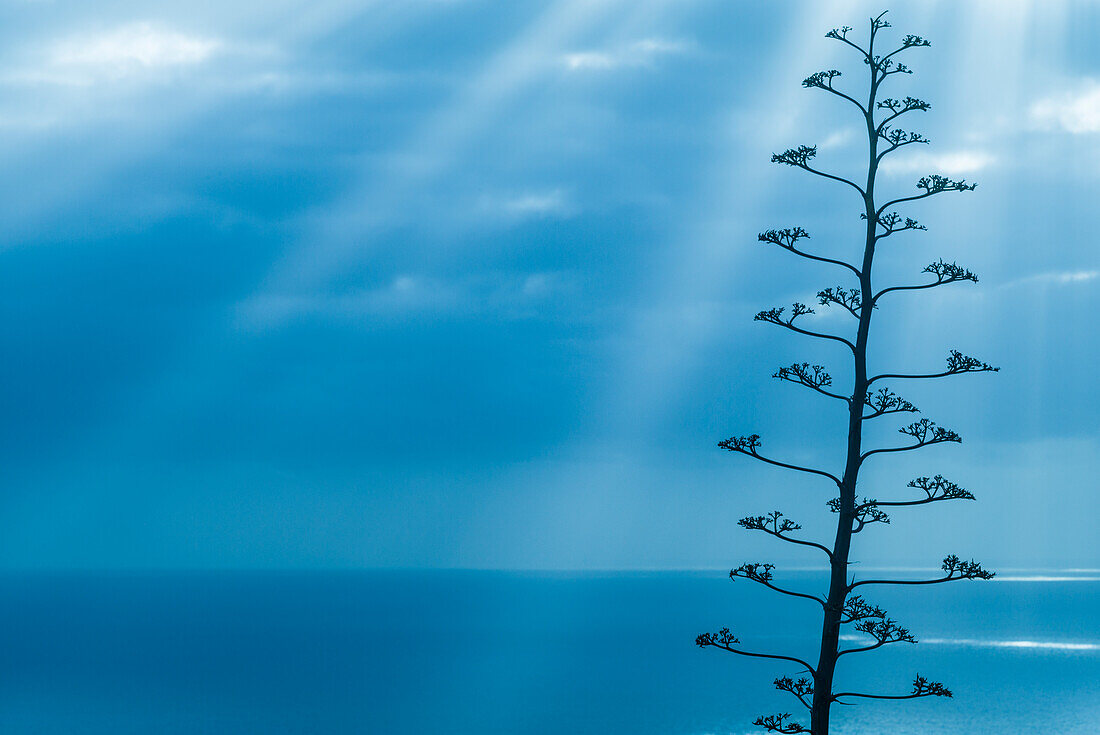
496	652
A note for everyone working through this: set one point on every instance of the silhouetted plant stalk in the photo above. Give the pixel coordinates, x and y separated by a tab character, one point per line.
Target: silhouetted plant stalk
815	691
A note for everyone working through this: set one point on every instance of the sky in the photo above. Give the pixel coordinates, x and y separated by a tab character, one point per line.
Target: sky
461	283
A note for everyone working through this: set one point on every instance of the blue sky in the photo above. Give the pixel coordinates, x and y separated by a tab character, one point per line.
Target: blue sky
471	283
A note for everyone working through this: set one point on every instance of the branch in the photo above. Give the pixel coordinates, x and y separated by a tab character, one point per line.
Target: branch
885	631
800	158
856	609
800	688
921	688
824	80
850	299
955	569
811	376
786	239
910	41
885	401
748	445
762	574
866	512
957	363
934	184
774	524
841	34
775	316
925	432
889	223
778	723
935	489
725	640
898	108
943	271
898	138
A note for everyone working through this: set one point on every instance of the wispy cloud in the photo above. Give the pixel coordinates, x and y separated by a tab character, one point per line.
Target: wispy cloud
510	295
1082	646
1056	278
1073	112
122	52
837	139
636	54
530	204
953	163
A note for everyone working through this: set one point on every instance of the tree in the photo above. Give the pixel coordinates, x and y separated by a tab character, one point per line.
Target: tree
867	400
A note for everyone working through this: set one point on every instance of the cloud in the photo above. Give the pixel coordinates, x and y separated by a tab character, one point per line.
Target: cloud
1076	112
534	204
952	164
837	139
126	51
1058	278
510	296
636	54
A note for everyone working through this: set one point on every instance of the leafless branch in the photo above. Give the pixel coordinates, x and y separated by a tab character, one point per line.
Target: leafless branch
954	568
787	239
921	688
800	158
884	401
749	444
776	525
943	271
824	80
849	298
925	433
957	363
932	185
811	376
726	641
800	688
775	316
762	574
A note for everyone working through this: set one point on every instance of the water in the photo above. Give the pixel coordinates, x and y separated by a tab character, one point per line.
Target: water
488	652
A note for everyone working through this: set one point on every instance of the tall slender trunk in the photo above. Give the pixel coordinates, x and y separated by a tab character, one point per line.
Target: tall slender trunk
838	574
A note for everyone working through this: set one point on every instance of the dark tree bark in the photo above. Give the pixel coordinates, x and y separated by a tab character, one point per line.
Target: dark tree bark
840	607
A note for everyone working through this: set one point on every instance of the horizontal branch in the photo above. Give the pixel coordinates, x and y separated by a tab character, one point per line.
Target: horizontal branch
932	185
944	272
955	569
726	641
762	574
787	239
775	316
801	156
813	377
921	688
774	524
957	363
926	434
935	490
748	444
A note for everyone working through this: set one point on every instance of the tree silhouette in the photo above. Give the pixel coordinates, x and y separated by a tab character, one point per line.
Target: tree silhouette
866	401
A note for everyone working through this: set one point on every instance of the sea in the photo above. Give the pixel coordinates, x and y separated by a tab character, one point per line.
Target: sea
493	652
